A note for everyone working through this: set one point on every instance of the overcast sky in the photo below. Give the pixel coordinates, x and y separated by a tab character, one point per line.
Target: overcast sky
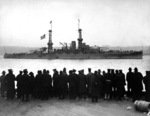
104	22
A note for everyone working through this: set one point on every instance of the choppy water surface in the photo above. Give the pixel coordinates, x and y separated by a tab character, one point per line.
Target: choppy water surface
103	64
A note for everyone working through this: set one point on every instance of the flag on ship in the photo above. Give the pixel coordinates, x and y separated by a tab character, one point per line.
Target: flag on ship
50	21
43	36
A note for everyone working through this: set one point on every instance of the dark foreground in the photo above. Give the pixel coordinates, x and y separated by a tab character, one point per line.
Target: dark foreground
55	107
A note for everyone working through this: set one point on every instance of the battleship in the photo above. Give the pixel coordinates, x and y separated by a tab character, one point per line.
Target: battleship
80	51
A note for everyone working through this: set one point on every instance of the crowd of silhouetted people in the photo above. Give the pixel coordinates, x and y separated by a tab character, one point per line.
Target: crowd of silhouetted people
95	85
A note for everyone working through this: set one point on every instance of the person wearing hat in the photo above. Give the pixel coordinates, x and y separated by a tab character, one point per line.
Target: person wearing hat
18	79
62	85
129	79
146	81
31	84
101	83
74	71
3	84
10	70
117	75
50	83
90	77
107	85
37	87
114	84
55	83
137	84
82	84
64	70
95	87
10	83
25	86
65	78
44	85
89	70
120	85
73	84
54	70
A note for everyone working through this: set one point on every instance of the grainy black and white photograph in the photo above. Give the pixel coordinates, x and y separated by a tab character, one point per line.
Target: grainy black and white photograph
74	57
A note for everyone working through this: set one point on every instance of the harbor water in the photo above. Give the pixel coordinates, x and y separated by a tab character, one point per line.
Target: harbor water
103	64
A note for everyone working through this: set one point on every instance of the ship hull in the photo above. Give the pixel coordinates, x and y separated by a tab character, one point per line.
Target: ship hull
133	55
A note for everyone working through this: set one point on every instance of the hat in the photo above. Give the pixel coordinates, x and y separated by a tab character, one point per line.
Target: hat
9	69
25	70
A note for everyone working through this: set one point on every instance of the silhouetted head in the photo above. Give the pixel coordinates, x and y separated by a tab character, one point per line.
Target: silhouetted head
79	71
135	69
47	72
108	70
64	69
104	72
95	72
31	73
89	69
120	71
54	70
20	72
3	72
82	71
39	72
25	71
10	70
44	71
70	71
99	71
112	71
61	72
130	69
74	70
